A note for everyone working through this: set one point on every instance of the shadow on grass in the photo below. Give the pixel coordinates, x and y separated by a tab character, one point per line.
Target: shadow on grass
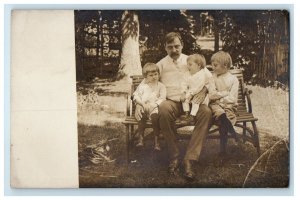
148	168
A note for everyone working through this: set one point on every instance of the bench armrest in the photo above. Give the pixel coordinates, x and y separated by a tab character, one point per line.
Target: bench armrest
247	94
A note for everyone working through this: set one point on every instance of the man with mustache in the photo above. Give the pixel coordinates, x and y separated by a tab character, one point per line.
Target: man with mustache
173	69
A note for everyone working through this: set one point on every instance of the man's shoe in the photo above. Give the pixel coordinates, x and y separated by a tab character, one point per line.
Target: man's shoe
188	170
174	166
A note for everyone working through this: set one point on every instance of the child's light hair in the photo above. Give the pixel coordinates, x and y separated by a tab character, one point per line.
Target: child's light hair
198	59
223	58
149	67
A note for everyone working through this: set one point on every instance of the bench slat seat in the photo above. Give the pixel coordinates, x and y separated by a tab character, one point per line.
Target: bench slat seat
242	117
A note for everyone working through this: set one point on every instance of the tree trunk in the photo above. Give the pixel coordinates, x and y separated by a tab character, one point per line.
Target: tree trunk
216	16
217	38
130	58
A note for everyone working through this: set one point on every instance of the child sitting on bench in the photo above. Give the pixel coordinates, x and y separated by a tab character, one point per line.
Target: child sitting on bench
149	94
223	95
198	77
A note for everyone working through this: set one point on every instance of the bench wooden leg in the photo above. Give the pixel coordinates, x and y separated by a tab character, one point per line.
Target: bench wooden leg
256	138
132	135
127	144
244	131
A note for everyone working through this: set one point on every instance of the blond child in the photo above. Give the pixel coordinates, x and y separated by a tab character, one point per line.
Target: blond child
149	94
223	95
198	77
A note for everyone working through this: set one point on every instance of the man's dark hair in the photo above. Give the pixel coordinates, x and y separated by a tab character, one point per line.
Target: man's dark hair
171	36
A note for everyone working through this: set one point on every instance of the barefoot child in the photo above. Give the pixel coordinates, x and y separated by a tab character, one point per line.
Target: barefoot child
149	94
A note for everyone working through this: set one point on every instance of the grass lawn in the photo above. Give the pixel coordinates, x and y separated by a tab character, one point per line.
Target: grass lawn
101	142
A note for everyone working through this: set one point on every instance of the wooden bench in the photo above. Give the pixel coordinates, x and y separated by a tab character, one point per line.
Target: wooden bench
244	116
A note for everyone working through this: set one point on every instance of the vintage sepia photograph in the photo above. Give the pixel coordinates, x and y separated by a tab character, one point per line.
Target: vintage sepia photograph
183	98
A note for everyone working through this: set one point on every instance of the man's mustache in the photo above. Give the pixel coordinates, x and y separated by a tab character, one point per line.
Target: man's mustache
174	54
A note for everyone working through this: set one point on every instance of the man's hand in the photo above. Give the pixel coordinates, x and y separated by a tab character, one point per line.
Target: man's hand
139	110
147	107
199	97
152	106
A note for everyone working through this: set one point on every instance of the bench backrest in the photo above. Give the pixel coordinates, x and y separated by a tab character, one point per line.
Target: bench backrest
136	80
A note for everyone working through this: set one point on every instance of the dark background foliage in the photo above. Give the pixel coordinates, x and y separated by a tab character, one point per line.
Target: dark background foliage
258	40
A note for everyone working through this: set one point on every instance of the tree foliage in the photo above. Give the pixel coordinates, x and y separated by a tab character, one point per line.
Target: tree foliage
154	24
97	43
130	25
254	38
